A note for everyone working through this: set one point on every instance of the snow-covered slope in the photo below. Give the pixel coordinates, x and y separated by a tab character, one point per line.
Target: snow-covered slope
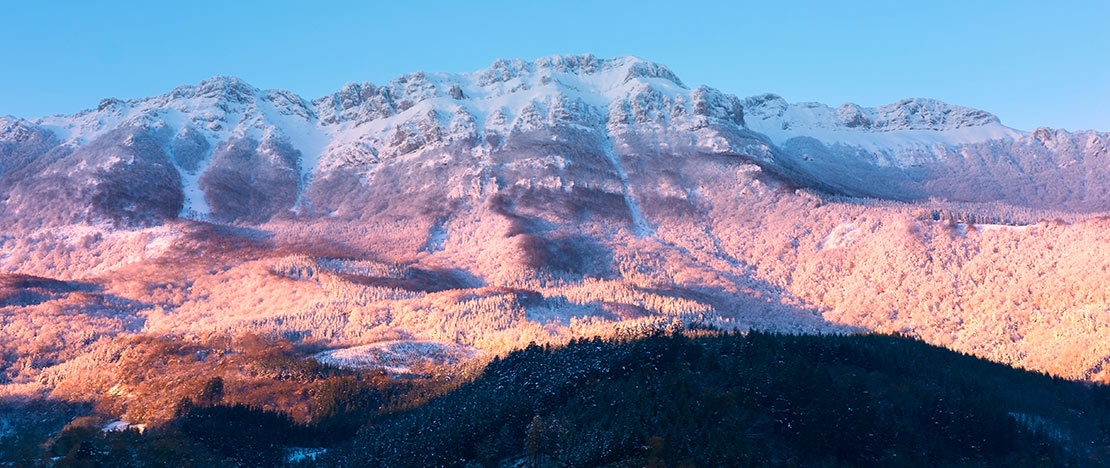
923	148
226	137
193	122
898	128
421	110
226	151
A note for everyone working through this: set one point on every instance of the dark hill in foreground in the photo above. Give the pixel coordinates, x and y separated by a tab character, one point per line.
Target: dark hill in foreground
755	399
716	400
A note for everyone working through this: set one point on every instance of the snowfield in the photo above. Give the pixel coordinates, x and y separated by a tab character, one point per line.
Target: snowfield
396	357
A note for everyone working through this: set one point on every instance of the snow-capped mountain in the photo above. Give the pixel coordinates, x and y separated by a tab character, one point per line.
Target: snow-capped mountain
905	124
246	154
226	151
566	197
923	148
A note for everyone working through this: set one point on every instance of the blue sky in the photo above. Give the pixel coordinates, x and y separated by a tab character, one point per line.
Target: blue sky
1031	63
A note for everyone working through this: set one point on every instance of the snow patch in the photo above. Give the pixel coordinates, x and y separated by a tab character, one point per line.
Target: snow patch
895	131
196	207
396	357
437	237
841	236
303	454
640	225
1004	227
120	426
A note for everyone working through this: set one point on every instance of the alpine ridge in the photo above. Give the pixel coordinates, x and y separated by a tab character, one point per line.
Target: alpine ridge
222	132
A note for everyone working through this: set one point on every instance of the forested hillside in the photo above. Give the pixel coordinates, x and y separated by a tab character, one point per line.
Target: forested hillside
696	398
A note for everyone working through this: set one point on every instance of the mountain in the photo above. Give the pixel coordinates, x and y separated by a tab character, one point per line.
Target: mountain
543	201
226	151
922	148
243	154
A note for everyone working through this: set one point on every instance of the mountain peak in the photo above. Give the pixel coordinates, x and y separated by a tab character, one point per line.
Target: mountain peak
930	114
630	68
14	129
220	87
773	115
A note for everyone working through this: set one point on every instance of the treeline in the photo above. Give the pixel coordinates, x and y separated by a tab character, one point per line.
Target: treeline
697	398
692	398
716	399
742	400
211	427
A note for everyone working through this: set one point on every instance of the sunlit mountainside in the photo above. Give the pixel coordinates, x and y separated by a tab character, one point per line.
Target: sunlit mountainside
152	244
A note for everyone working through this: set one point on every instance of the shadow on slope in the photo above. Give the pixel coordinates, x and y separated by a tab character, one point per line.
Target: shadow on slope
419	280
26	290
742	400
27	425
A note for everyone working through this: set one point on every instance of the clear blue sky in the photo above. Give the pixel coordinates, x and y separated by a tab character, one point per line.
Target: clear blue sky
1031	63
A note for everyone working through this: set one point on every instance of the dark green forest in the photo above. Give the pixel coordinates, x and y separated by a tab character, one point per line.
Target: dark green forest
699	398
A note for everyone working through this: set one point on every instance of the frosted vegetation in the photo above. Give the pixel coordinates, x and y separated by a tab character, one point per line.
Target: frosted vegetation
533	202
1028	293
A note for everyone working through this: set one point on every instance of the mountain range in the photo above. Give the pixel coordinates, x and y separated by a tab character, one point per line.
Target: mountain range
535	201
223	150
